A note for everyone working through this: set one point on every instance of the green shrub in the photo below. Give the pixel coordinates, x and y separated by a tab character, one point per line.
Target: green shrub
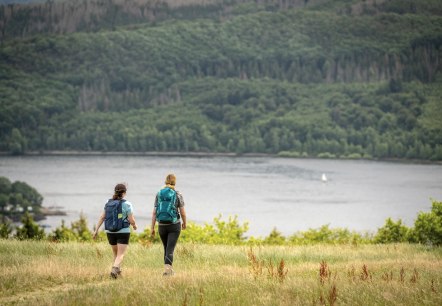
428	226
81	230
62	234
354	156
325	234
275	238
5	229
392	232
30	229
293	154
146	236
221	232
326	155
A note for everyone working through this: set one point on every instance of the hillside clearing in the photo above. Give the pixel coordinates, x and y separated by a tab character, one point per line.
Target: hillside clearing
77	273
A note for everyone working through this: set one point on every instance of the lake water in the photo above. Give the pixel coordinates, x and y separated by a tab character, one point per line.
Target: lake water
267	192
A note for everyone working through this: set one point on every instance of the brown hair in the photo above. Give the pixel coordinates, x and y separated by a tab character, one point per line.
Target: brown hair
170	179
119	189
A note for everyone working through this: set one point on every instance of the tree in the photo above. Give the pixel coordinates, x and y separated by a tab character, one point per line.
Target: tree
5	185
428	226
80	229
3	201
395	85
30	229
17	143
28	193
275	237
62	233
392	232
5	228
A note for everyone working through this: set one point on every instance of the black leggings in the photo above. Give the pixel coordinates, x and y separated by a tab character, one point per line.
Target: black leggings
169	236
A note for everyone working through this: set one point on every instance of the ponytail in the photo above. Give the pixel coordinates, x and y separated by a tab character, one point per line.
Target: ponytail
119	190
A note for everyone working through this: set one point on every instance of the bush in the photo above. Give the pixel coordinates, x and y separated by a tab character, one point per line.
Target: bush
292	154
326	155
354	156
80	229
392	232
146	237
221	232
325	234
30	229
62	234
275	238
428	226
5	229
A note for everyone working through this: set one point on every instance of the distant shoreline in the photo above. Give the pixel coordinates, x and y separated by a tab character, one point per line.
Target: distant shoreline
146	153
41	215
204	154
53	211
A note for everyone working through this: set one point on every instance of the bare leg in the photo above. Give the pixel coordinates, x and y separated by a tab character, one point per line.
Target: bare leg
121	250
115	251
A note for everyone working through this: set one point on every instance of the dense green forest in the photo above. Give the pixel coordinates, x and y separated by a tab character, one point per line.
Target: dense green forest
346	78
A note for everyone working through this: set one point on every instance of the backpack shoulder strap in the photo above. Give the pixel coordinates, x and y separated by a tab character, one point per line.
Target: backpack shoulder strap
120	205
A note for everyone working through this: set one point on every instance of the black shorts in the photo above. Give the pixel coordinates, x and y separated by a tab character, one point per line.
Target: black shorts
118	238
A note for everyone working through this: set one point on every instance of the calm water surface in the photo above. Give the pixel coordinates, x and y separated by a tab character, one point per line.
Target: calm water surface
268	192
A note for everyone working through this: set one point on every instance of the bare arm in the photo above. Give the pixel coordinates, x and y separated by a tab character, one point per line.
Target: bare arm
182	210
183	217
100	221
131	219
154	220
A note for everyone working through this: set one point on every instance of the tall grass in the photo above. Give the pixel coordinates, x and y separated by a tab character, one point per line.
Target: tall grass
46	273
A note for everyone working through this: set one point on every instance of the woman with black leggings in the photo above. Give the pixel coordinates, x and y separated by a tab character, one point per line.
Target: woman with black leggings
169	211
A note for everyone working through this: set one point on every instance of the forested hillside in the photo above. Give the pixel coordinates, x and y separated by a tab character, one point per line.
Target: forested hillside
345	78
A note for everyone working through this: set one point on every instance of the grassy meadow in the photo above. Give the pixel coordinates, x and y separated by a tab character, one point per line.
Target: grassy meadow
45	273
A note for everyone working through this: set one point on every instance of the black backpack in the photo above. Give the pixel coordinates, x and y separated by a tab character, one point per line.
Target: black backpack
113	221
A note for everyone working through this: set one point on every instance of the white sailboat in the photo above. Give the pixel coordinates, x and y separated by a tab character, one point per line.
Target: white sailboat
324	177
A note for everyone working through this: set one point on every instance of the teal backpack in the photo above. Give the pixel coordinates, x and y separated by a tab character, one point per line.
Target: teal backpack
166	210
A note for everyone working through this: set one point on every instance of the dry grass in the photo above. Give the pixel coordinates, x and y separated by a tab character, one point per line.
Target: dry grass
73	273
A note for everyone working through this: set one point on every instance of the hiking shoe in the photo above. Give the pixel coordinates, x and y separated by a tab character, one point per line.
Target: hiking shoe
168	271
115	272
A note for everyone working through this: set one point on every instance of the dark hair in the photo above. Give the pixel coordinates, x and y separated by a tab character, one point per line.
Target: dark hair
119	190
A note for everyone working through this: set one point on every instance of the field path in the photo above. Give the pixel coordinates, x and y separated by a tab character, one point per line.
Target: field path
36	294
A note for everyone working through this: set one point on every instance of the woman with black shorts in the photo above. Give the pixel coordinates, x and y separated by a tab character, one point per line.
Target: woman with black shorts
119	240
169	230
